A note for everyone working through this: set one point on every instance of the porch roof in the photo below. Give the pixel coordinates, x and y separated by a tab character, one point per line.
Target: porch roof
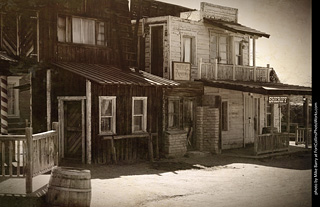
260	87
235	27
106	74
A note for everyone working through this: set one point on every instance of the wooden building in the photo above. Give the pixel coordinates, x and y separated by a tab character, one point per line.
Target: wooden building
212	48
77	57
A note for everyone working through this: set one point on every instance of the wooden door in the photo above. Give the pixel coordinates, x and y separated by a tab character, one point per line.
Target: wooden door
157	50
249	111
189	122
73	130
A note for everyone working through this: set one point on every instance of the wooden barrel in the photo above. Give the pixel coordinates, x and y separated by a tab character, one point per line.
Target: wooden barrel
69	187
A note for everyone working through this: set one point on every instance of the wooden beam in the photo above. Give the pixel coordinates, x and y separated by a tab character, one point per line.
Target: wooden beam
88	125
48	99
29	161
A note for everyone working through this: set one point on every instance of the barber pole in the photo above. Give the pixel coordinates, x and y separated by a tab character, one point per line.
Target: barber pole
4	104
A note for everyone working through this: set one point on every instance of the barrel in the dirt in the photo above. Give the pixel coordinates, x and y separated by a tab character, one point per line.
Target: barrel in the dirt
69	187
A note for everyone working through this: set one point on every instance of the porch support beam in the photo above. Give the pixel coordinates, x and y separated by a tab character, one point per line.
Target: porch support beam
48	99
306	119
88	120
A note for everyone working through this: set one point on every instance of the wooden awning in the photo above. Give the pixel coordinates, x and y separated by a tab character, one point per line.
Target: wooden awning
260	87
106	74
235	27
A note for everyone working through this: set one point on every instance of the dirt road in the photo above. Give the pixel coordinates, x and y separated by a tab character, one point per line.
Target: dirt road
207	181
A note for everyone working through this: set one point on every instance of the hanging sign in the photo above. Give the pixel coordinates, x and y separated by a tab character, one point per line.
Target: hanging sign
181	71
278	99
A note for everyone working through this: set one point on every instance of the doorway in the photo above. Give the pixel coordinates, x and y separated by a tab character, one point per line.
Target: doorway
157	50
72	118
251	118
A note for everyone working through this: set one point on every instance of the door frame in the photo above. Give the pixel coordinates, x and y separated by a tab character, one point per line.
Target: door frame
61	101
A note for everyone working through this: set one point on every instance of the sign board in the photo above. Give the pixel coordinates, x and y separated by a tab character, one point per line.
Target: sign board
181	71
278	100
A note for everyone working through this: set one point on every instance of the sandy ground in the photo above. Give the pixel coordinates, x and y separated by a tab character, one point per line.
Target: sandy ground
215	180
208	181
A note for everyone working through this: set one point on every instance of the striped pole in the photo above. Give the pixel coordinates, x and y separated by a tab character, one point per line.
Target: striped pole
4	104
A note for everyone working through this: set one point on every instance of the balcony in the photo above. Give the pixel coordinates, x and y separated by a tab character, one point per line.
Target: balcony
215	71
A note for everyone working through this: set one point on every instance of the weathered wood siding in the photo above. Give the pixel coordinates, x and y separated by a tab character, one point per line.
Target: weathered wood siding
233	137
204	35
127	149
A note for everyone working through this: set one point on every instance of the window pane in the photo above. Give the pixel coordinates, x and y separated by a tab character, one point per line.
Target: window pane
106	124
100	33
88	31
106	107
61	29
138	107
76	30
187	49
137	123
223	40
173	106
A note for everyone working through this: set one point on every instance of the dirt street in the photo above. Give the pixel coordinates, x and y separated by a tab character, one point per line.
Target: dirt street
205	181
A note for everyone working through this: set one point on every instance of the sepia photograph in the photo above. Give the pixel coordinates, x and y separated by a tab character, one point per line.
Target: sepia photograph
157	103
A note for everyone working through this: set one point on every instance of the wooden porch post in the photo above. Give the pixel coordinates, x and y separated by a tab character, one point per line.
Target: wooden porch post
254	58
306	120
88	123
288	115
48	99
29	163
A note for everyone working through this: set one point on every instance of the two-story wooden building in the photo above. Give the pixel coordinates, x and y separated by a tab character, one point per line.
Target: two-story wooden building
76	57
210	47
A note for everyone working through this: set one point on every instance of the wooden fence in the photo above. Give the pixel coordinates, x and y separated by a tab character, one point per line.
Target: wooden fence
29	155
302	134
268	143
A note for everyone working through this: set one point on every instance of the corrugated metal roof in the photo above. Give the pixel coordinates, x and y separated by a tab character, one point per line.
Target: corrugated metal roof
106	74
260	87
235	27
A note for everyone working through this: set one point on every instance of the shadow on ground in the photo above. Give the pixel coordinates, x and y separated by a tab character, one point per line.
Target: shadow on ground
296	161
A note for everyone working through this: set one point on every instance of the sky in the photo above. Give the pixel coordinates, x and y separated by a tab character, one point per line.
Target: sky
288	49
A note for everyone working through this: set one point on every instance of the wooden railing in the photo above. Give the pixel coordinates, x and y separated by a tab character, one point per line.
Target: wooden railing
302	134
29	155
215	71
269	143
13	155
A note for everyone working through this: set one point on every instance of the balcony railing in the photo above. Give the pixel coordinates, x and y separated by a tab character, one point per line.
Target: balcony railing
215	71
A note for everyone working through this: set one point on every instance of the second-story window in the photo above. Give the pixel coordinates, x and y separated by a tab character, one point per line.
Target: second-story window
81	30
188	50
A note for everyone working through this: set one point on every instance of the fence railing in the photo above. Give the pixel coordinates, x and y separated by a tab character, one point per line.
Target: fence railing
13	155
303	135
215	71
268	143
29	155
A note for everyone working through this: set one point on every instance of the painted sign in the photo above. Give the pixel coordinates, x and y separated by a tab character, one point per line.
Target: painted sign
278	99
181	71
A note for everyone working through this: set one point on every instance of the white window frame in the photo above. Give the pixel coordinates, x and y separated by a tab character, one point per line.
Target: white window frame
113	100
15	81
144	115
